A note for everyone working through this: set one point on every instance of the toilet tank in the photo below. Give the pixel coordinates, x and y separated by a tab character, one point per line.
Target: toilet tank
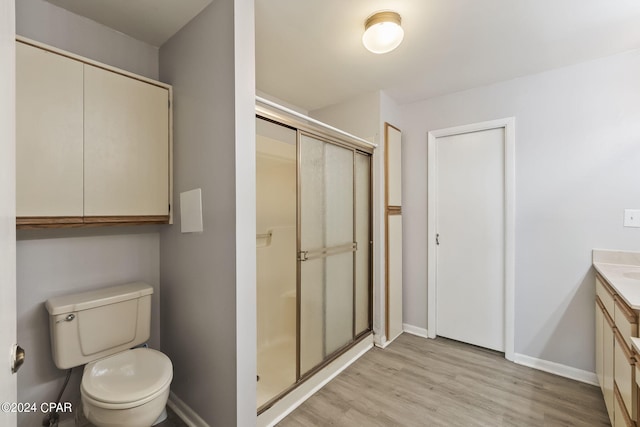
91	325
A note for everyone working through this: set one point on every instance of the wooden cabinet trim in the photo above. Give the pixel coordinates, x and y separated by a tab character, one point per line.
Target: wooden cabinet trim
394	210
623	345
606	285
47	220
27	223
625	412
600	304
631	315
148	219
606	314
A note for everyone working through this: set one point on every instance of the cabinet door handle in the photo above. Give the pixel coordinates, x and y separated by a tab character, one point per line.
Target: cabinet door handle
438	239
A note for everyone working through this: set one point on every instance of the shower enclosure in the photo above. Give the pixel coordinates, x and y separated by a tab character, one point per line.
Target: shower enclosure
313	250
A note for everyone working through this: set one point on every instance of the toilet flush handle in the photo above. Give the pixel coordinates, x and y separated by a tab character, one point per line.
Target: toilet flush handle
69	318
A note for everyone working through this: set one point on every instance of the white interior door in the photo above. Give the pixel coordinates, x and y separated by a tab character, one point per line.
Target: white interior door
470	227
7	208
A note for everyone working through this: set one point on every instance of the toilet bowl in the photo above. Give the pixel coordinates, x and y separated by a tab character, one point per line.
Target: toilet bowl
127	389
122	385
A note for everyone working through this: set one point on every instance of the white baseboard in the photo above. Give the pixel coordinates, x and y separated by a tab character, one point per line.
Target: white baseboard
379	340
384	344
556	368
186	414
531	362
414	330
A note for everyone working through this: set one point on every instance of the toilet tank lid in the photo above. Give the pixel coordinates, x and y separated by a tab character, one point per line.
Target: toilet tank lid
91	299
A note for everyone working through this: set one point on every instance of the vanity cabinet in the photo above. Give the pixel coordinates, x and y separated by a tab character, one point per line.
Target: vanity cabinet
616	323
93	142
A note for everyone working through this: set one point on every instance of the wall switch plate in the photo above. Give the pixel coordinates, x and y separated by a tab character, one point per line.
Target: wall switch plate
632	217
191	211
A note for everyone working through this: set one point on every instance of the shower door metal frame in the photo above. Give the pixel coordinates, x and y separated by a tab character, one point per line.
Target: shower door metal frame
357	148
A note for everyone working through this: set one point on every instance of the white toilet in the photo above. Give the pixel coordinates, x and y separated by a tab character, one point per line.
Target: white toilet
121	386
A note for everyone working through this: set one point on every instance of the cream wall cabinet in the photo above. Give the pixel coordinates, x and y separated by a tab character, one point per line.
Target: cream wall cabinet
93	142
616	323
126	146
49	132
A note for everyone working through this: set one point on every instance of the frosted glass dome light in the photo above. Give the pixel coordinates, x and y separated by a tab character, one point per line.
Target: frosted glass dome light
382	32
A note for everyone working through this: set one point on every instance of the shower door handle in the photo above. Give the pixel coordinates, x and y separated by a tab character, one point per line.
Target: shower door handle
326	252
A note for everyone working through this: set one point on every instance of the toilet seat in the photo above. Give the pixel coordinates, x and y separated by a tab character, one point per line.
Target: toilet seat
127	379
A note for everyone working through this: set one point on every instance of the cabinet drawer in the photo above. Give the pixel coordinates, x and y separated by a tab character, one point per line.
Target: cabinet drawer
626	320
624	375
606	295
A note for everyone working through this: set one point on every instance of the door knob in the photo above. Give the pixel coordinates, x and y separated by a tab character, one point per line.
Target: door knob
18	358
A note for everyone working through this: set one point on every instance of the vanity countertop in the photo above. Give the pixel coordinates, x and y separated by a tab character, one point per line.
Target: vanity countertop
622	271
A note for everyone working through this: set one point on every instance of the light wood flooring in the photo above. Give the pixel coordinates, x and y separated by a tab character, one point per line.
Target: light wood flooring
421	382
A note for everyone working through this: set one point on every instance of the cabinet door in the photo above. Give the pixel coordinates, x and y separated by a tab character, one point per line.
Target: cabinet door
599	343
394	278
393	165
49	134
626	321
126	146
624	375
607	366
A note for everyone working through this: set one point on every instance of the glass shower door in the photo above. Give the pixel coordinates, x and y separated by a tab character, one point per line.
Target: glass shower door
326	250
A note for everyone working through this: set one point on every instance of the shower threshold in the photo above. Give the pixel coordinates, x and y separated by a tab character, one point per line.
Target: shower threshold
279	407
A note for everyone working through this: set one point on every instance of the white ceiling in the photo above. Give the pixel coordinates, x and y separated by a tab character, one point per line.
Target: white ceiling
309	53
152	21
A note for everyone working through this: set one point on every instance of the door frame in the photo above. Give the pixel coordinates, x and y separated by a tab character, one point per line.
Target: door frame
8	381
508	124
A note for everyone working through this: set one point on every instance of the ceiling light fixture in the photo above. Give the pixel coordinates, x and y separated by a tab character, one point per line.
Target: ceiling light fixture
382	32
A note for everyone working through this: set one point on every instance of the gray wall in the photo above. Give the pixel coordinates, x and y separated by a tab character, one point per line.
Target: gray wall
204	300
577	157
54	262
44	22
